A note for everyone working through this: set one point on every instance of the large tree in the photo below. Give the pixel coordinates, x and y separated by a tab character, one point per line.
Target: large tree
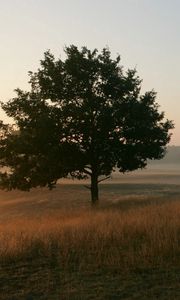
83	116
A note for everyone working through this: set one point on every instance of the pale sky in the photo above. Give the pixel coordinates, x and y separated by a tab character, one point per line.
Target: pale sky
144	32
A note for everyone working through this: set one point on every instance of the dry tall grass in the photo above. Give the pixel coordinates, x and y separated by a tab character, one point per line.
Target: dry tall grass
140	237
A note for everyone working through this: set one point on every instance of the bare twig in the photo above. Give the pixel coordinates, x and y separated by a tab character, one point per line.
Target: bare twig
104	179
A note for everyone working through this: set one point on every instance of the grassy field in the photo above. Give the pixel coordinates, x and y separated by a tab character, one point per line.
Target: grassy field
53	246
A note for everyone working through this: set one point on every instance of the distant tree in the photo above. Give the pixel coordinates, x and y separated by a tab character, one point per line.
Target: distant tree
83	116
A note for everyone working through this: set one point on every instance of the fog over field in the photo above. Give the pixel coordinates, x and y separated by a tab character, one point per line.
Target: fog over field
159	181
171	159
164	171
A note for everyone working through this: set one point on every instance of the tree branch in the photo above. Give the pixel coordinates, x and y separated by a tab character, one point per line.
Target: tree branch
87	187
104	179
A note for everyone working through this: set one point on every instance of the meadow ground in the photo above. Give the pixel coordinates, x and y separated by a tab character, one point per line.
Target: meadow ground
54	246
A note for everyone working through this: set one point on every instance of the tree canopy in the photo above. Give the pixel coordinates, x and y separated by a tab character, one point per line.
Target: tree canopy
83	116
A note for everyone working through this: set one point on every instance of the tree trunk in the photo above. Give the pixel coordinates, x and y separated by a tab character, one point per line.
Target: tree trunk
94	189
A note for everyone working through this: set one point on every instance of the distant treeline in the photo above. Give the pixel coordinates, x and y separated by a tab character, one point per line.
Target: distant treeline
172	156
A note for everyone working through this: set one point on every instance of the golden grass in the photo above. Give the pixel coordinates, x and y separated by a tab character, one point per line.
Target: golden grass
140	237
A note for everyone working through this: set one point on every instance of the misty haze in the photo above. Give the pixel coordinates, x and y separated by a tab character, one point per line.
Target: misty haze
89	150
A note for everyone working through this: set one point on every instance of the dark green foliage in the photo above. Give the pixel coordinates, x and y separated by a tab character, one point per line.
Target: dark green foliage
83	116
